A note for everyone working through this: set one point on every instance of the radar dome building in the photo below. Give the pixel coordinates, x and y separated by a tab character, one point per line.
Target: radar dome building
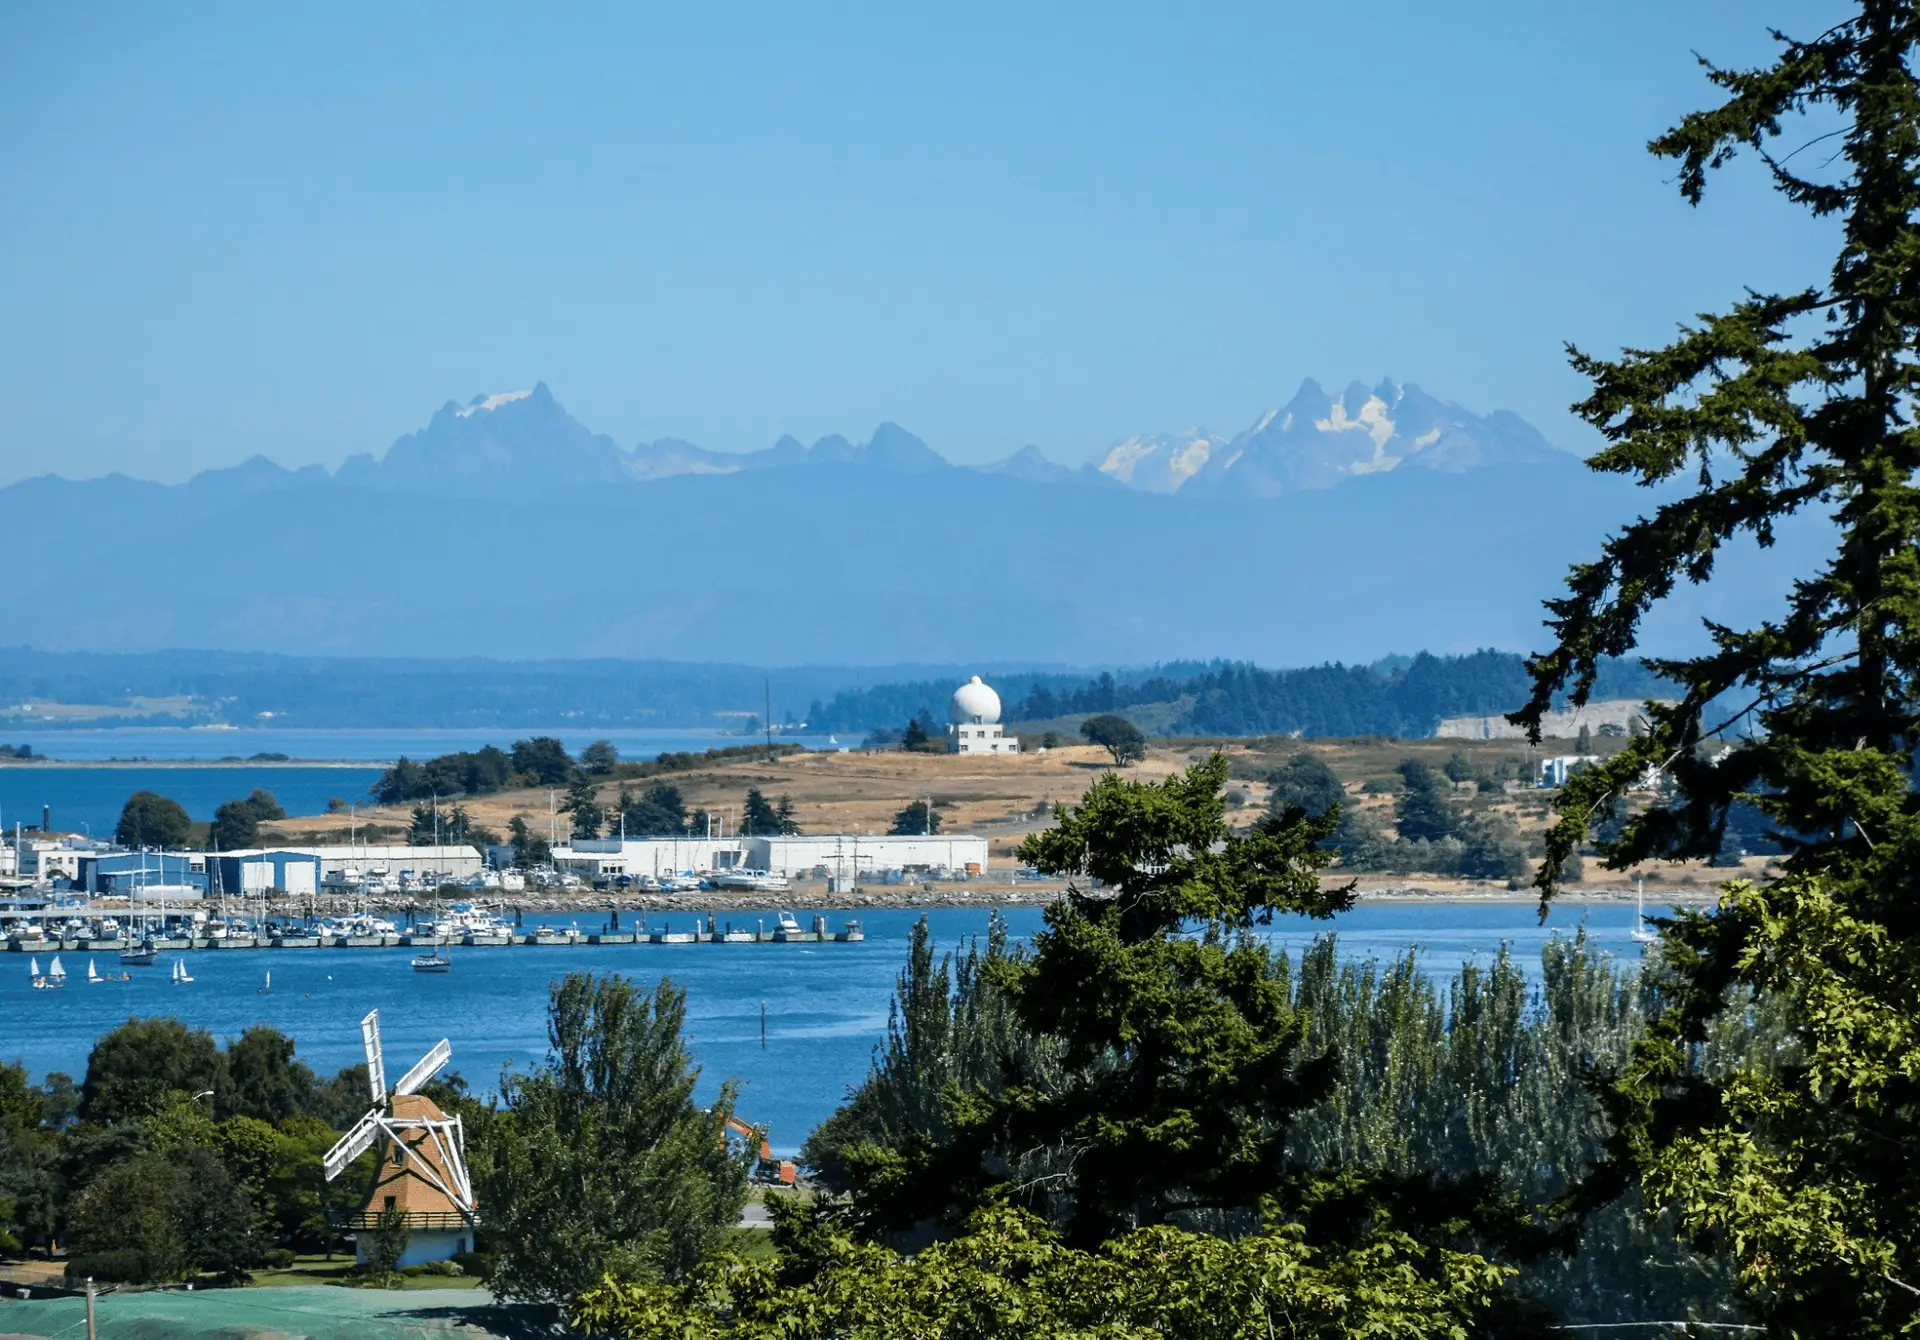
976	725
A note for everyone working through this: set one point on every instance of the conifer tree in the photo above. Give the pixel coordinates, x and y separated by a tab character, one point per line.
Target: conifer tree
1786	408
1179	1060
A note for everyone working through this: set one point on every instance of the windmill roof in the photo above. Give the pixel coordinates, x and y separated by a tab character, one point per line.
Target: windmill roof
401	1163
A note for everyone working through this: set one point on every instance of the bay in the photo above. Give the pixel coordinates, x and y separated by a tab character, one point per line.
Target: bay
375	745
88	799
84	791
826	1005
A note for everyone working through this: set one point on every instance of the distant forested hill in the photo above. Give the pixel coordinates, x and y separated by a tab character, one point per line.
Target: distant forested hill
1403	696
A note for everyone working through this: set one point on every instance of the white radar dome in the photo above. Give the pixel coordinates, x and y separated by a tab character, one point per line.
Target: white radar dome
974	704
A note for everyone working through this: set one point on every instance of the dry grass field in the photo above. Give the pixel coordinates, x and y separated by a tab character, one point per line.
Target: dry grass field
1005	798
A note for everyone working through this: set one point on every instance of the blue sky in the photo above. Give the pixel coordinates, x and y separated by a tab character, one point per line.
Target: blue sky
228	230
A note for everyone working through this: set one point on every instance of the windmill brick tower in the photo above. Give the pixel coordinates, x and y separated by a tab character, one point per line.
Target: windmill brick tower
423	1159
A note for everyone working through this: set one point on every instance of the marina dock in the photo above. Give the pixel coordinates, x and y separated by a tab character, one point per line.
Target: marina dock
691	931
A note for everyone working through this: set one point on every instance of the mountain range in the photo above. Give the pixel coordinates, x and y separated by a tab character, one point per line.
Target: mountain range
504	444
1336	526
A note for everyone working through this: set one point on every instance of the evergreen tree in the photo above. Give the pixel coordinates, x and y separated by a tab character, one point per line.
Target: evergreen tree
1304	782
656	811
583	803
1424	811
236	824
599	759
1785	407
542	760
783	815
758	818
529	849
1183	1060
916	819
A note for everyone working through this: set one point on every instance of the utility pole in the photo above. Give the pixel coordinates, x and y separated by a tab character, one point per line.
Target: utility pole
90	1335
768	682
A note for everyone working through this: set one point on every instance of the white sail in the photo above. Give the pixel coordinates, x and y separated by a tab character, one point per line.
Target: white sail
93	973
55	970
33	966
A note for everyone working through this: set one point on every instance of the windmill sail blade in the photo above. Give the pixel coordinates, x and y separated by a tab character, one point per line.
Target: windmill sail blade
351	1145
426	1068
376	1067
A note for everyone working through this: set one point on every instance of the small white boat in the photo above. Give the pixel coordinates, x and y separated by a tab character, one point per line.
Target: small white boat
434	962
267	988
180	976
33	967
56	973
93	973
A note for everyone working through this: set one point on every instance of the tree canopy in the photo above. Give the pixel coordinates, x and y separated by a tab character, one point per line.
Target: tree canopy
1783	408
600	1161
917	817
656	811
149	819
1304	782
236	824
1118	736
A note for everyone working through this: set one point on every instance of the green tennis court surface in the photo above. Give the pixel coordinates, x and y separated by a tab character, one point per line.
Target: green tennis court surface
314	1312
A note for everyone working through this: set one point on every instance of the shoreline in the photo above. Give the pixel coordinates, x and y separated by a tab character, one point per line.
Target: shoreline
816	898
51	763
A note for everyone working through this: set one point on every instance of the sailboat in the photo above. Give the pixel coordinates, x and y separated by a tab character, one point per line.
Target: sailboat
267	989
55	973
1640	931
93	973
180	975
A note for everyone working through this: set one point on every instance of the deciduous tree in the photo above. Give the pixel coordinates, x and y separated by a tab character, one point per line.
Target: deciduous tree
1118	736
600	1160
149	819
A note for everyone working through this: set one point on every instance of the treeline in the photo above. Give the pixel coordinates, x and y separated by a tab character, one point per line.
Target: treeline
1400	696
175	1158
407	693
1480	1078
539	761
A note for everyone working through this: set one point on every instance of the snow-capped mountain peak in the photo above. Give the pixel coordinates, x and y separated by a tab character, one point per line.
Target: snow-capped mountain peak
1317	440
487	404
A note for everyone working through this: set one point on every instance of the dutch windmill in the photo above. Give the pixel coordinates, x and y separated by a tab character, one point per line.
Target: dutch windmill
423	1154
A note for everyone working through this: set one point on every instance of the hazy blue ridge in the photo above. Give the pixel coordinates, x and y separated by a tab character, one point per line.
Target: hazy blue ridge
514	532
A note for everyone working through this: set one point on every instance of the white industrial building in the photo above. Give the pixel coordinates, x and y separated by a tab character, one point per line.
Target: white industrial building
610	858
1557	770
975	718
848	856
338	864
843	856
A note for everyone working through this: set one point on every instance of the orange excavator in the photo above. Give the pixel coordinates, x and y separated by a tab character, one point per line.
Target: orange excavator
768	1169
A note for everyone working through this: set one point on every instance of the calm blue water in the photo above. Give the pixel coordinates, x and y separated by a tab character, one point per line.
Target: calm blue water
88	800
179	743
826	1004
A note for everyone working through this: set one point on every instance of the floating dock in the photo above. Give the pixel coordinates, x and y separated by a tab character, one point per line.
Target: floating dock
700	932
